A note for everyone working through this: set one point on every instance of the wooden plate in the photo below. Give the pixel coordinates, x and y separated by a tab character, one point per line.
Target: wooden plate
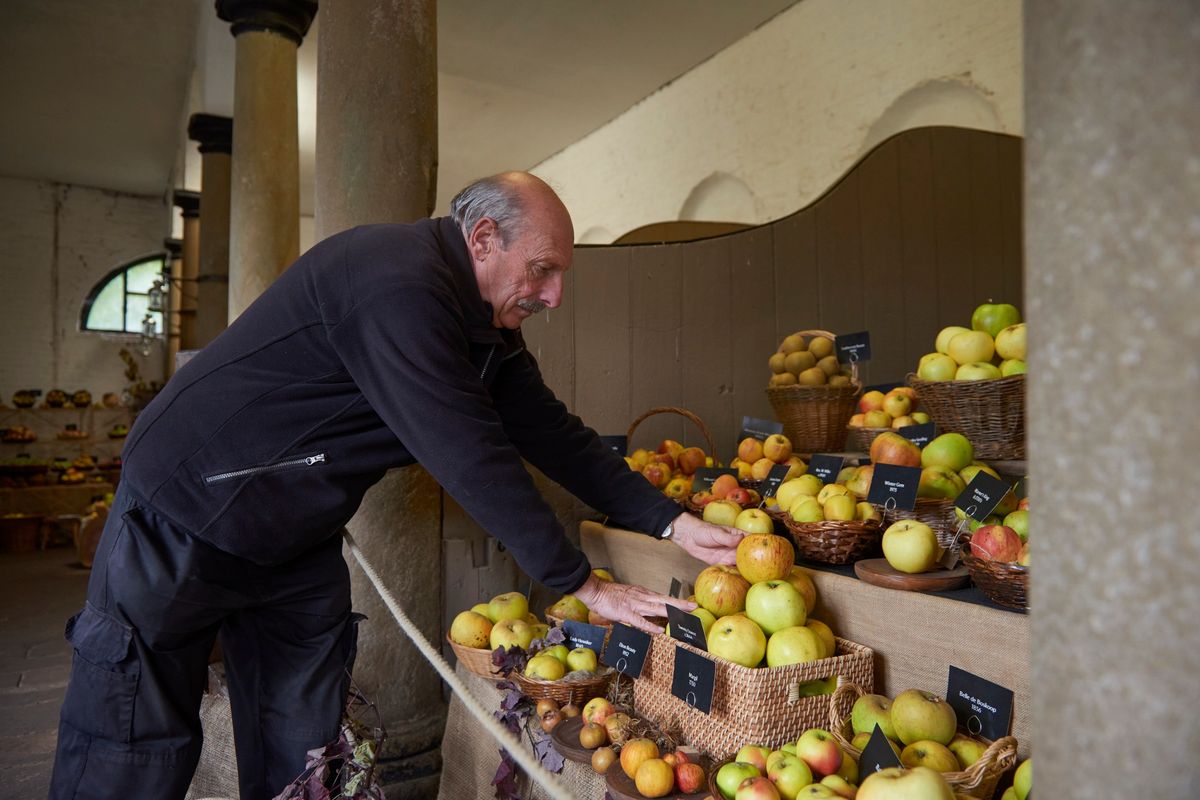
565	738
878	572
622	787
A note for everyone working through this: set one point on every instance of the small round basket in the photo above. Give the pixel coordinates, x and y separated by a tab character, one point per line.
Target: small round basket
858	439
1004	584
832	541
557	621
978	780
990	413
563	691
683	412
713	789
814	417
477	660
936	512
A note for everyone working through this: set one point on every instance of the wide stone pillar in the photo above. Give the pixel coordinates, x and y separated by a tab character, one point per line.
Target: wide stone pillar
174	248
377	162
211	289
264	236
1112	110
183	291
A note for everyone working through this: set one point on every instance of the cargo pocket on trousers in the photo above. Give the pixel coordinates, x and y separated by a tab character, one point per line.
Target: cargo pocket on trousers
104	676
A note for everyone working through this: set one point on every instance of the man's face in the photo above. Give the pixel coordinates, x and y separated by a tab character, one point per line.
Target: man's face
528	276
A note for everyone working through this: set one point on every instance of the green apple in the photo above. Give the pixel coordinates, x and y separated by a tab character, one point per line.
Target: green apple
775	605
722	512
738	639
1013	366
1009	794
482	608
849	768
910	546
919	417
919	716
807	508
570	607
951	450
969	472
582	658
970	347
825	634
510	633
546	668
730	776
754	520
774	758
795	645
994	317
940	482
871	710
977	371
898	783
540	630
859	742
840	508
966	749
471	630
1023	779
819	687
559	651
844	474
929	754
841	786
706	619
942	343
510	605
789	774
937	367
1019	521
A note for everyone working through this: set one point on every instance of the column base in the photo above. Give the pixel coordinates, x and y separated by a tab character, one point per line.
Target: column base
411	764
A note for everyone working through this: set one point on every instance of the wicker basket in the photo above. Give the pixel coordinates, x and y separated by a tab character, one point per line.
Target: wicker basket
814	417
562	691
683	412
858	439
477	660
936	512
1005	584
832	541
990	413
978	780
749	705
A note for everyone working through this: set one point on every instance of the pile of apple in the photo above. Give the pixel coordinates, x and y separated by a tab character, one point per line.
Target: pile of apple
606	731
811	363
993	347
505	621
947	465
812	766
1005	540
755	459
892	410
921	727
670	467
807	499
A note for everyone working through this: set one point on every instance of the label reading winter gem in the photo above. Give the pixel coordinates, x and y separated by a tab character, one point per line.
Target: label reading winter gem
983	708
825	467
894	487
687	628
618	444
693	680
981	496
626	650
853	347
759	428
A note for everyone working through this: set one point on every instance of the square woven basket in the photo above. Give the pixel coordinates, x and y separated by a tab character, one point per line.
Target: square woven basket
760	706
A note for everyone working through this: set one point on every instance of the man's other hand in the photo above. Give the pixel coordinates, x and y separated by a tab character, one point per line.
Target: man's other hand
712	544
631	605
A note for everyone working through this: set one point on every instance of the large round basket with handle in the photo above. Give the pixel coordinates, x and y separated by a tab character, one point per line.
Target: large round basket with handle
815	417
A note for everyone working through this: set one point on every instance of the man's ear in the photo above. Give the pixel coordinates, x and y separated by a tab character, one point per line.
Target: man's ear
483	238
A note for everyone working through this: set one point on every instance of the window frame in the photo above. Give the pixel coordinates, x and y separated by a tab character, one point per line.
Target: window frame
122	272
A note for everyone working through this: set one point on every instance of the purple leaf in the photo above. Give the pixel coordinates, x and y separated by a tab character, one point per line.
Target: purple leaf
556	636
549	757
505	780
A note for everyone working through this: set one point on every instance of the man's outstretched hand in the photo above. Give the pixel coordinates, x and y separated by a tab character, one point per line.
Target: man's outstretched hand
712	544
631	605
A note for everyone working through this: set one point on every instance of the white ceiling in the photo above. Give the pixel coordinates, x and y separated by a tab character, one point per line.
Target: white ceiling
97	94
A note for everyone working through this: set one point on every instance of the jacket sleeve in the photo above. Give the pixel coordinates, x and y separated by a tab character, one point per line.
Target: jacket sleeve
406	352
560	445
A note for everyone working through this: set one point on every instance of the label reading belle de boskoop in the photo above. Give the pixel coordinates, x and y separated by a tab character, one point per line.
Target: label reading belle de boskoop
618	444
893	486
693	680
759	428
626	650
853	347
687	628
702	481
982	495
920	435
877	755
825	467
581	634
770	484
982	707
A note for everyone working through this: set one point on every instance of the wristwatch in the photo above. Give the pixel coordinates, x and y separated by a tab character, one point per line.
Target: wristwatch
667	531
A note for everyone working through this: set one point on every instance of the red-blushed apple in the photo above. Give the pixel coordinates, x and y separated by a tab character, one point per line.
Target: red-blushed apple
723	485
742	496
755	754
857	421
750	450
1023	505
918	715
790	774
690	460
871	401
675	758
658	475
666	459
1023	555
892	448
670	447
754	520
721	512
775	605
820	751
911	547
597	710
737	638
929	754
871	710
778	448
654	778
757	789
634	752
996	543
898	783
721	590
764	557
731	775
689	778
702	498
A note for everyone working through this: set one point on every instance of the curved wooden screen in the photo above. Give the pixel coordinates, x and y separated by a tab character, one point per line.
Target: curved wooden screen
911	239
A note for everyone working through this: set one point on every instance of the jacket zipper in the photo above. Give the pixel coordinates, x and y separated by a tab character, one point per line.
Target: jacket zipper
488	362
300	461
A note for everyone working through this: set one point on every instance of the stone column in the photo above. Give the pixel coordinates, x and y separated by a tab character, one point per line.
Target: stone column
1112	109
189	268
377	162
211	289
265	202
174	248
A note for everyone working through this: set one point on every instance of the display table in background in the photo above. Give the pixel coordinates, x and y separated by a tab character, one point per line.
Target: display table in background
51	501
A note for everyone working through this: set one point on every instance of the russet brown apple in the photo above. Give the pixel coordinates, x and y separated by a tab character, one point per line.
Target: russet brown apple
799	361
792	343
812	377
776	363
829	365
782	379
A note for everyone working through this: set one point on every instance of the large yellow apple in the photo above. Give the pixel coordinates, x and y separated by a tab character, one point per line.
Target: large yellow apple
737	638
789	490
776	363
942	343
1010	342
825	634
807	508
911	546
764	556
722	512
977	371
918	716
799	361
754	520
545	667
970	347
929	754
840	508
510	633
937	367
804	585
794	645
778	448
510	605
471	629
867	512
898	783
832	490
775	605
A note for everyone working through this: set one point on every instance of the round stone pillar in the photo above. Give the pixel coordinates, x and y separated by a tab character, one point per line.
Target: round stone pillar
377	162
183	293
211	288
174	248
264	236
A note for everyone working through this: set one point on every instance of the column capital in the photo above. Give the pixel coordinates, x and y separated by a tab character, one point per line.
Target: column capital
289	18
174	248
188	202
214	133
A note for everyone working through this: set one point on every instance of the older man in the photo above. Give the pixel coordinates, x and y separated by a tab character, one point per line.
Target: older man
382	346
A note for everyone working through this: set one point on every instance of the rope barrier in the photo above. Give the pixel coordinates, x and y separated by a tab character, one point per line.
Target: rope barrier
510	742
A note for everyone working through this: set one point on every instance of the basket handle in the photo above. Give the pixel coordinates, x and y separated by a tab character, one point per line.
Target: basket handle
683	412
1000	756
845	691
833	338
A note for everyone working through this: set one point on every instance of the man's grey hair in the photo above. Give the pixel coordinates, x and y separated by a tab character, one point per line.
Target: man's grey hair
494	198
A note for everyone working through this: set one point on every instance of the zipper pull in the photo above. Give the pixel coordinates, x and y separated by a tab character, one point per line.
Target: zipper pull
314	459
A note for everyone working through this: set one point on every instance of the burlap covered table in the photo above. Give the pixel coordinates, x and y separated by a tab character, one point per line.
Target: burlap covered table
470	756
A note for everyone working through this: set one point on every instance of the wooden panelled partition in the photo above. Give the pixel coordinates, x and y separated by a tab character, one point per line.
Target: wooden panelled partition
919	232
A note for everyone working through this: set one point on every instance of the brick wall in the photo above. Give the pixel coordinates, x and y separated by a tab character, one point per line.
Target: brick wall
58	242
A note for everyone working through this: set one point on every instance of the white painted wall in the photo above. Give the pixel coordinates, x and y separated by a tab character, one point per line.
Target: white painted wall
765	126
59	241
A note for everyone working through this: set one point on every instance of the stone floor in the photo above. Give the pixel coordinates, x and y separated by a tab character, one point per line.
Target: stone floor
38	592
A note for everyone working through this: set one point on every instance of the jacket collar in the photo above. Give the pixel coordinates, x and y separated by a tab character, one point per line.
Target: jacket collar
476	311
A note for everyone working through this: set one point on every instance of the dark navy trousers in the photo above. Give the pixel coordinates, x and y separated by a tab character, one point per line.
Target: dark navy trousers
156	601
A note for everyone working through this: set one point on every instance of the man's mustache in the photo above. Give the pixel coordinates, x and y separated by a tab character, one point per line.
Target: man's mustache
532	306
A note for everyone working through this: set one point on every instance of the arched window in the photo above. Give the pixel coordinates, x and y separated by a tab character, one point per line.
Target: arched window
120	301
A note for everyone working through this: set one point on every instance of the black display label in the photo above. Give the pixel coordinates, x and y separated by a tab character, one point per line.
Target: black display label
853	347
676	589
826	467
920	435
770	484
687	628
759	428
618	444
894	487
703	480
877	755
626	650
983	708
694	678
982	495
581	634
